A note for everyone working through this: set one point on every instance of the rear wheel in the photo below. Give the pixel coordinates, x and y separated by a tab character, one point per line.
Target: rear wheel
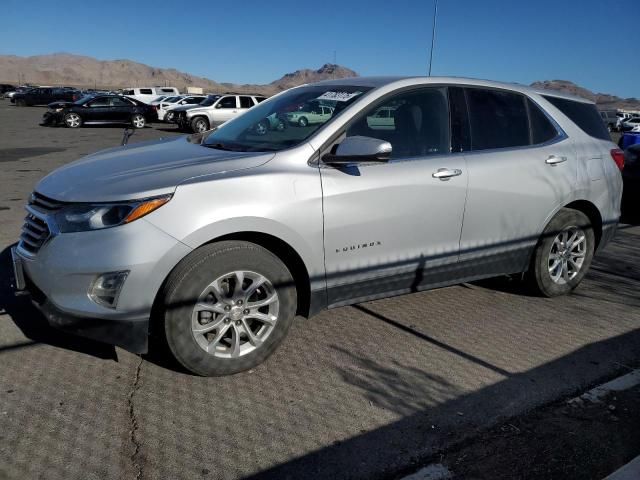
72	120
138	120
563	254
199	124
227	306
21	102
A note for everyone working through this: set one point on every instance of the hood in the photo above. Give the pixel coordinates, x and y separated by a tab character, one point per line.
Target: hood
141	170
183	108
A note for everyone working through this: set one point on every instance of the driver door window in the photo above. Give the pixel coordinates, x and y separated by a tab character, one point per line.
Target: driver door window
416	123
227	102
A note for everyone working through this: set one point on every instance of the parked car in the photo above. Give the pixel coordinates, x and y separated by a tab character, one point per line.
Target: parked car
221	239
629	124
310	114
44	96
610	119
208	115
4	88
168	105
149	94
100	109
631	179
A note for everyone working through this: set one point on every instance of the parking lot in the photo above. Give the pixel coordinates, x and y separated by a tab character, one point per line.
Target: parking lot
368	391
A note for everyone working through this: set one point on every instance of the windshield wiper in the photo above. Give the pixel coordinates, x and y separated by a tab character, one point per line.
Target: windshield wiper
222	146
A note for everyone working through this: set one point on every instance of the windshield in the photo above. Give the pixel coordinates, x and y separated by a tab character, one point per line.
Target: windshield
210	100
286	120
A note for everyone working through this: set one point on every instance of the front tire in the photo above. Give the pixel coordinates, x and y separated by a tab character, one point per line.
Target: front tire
303	122
73	120
21	102
138	121
226	307
563	254
199	125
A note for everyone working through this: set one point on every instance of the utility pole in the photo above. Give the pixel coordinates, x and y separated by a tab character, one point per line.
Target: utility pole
433	33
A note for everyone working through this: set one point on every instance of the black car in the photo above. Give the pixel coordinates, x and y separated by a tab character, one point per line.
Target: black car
100	109
44	96
631	189
5	87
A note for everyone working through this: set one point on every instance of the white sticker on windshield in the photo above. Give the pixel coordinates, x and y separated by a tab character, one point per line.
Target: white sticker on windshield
338	96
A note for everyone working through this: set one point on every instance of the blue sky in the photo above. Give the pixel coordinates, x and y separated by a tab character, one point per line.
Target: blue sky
257	42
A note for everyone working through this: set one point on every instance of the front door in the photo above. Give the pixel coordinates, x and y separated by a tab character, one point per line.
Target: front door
395	227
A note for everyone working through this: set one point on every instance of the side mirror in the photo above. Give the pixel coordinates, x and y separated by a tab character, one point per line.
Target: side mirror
219	105
359	149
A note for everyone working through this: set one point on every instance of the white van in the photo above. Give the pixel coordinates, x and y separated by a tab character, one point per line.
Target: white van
149	94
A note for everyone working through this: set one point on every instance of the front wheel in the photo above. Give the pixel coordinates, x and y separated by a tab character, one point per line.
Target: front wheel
563	254
138	121
73	120
227	306
303	122
21	102
199	125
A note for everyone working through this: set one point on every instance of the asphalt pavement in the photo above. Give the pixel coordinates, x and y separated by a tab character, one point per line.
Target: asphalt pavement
369	391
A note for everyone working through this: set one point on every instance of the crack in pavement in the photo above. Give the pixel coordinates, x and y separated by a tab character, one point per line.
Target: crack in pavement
133	437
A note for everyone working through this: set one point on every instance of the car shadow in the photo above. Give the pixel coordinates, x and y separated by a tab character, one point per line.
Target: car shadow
33	324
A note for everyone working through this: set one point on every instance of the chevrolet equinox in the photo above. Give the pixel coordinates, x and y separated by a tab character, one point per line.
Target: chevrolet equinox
214	242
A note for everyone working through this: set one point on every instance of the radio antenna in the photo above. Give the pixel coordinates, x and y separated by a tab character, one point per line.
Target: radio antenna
433	33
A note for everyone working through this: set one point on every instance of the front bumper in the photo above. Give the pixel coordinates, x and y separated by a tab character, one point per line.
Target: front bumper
58	278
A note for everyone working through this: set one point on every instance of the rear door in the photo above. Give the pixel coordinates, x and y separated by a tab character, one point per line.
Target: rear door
121	109
522	167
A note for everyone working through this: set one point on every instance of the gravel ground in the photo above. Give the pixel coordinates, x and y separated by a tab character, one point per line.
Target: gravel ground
358	392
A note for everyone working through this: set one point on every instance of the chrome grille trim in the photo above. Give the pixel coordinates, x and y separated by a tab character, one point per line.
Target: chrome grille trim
36	229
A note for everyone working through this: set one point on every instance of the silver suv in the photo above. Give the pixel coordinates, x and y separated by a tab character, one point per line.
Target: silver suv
215	242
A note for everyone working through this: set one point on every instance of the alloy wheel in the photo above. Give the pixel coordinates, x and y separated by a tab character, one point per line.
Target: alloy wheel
235	314
73	120
138	121
567	255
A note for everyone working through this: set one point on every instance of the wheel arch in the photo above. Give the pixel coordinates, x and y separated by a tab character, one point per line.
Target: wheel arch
593	213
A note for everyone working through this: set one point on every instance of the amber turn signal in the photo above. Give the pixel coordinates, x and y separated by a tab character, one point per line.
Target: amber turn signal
146	208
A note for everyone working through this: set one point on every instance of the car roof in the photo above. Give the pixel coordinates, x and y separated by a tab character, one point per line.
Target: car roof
377	82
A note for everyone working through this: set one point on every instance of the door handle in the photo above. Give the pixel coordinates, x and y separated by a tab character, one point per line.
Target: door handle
446	174
553	160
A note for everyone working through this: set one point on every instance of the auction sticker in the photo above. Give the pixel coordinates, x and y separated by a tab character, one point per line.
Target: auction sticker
338	96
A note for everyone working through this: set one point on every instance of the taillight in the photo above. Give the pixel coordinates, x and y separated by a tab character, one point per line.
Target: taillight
618	157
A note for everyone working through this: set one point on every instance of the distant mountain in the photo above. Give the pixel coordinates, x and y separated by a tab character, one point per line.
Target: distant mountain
604	101
81	71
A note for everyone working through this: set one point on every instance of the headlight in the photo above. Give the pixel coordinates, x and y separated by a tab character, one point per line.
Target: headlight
84	217
58	109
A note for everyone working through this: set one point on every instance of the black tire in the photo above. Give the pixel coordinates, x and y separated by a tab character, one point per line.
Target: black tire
199	124
69	122
538	277
187	282
138	120
303	122
21	102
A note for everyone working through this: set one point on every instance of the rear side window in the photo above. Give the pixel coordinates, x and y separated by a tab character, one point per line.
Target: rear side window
146	91
128	92
542	130
585	115
498	119
246	102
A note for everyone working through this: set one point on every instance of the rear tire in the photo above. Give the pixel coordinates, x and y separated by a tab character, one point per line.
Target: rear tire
21	102
138	121
563	254
210	325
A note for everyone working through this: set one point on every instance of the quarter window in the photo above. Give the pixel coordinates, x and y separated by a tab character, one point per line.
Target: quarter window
585	115
417	123
498	119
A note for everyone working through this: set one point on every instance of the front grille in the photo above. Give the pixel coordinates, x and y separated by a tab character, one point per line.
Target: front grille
35	231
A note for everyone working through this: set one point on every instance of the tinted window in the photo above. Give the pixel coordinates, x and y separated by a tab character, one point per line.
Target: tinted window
167	90
417	125
194	100
146	91
542	130
260	99
99	102
585	115
227	102
128	92
246	102
460	130
498	119
120	102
